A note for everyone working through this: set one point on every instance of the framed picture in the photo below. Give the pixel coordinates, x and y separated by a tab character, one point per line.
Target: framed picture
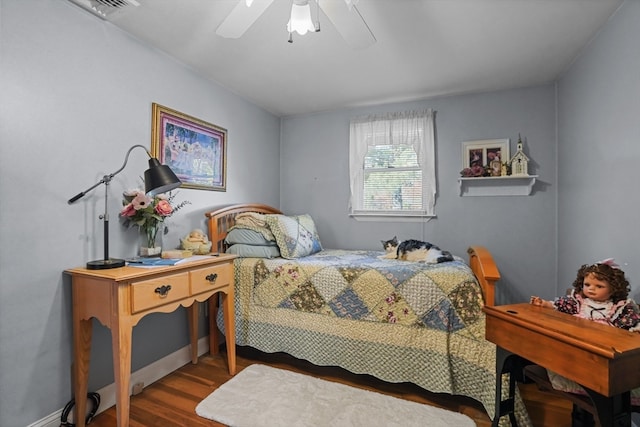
485	152
195	150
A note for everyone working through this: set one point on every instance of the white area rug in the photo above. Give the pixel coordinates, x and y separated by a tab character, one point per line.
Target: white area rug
264	396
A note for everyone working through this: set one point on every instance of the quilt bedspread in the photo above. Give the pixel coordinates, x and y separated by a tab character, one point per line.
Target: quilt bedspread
357	285
396	320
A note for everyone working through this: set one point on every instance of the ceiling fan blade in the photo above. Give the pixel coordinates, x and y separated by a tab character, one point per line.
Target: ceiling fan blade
241	18
346	17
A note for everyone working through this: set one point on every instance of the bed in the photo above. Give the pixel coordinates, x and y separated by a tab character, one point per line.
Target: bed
398	321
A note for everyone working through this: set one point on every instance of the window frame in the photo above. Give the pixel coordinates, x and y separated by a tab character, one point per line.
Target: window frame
407	128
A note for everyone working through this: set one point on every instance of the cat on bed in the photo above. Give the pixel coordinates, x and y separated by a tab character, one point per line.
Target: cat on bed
414	250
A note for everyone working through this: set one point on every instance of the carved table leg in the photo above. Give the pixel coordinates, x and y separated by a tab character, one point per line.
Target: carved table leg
214	335
230	329
192	313
82	331
121	347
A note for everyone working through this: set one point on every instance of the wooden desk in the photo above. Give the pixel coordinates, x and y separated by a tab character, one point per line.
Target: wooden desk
601	358
120	297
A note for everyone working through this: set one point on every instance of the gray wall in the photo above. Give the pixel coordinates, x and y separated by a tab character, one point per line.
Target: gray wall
76	94
519	230
599	151
582	135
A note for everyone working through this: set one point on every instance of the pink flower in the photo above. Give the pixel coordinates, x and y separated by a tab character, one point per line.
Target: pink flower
128	210
164	208
141	201
129	195
466	172
473	171
477	170
146	212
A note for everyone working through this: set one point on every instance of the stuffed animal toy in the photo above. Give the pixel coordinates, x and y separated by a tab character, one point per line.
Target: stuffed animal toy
197	242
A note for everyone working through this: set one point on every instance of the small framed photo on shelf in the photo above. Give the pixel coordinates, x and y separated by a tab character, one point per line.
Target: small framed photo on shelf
486	153
495	168
195	150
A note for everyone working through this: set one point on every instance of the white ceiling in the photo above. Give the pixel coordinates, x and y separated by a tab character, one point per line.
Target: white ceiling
424	48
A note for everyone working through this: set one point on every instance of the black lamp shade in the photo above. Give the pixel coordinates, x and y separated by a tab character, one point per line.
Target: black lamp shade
159	178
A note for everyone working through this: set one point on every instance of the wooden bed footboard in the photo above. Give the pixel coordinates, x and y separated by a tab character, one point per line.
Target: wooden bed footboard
220	220
486	270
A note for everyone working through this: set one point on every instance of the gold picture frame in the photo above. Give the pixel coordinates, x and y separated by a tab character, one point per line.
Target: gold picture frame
195	150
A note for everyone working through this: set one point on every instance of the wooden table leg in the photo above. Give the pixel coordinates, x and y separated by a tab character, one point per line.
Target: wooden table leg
230	328
82	330
214	335
192	313
121	347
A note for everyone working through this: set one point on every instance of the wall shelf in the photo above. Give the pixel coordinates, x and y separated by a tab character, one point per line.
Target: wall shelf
497	185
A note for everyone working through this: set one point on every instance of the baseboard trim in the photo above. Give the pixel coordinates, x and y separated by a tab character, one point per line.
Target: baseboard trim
147	375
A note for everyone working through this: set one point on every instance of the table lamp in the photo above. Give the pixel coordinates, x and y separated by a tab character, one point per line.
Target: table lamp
158	179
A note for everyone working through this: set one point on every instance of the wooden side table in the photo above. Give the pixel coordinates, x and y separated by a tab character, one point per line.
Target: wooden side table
118	298
602	359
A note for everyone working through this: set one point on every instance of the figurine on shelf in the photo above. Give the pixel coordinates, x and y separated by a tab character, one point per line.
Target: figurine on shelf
519	162
197	242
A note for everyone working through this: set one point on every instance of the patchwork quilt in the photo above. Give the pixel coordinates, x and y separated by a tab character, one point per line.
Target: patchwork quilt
357	285
399	321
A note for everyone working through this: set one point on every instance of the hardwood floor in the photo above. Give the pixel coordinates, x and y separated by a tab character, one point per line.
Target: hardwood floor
171	401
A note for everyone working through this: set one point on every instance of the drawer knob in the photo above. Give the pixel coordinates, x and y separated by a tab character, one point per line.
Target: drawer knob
163	290
212	277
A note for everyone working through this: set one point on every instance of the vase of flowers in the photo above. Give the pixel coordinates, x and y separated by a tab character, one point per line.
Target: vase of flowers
148	214
151	240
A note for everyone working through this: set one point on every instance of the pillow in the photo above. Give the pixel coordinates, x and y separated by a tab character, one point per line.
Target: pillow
296	235
251	251
558	382
246	236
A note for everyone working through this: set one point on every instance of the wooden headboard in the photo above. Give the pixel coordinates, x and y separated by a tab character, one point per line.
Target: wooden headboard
221	219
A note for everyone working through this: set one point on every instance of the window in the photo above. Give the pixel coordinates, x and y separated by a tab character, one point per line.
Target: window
392	165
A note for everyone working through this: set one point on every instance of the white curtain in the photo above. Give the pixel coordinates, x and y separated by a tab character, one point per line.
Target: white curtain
408	128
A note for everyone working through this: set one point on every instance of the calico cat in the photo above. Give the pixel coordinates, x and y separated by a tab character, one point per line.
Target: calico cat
414	250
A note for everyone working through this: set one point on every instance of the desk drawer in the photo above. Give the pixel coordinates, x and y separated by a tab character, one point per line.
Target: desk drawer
156	292
214	277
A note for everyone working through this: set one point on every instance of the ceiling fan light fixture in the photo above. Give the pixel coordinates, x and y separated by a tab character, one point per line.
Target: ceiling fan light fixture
300	20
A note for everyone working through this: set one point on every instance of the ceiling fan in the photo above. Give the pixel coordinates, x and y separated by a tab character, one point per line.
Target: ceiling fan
343	14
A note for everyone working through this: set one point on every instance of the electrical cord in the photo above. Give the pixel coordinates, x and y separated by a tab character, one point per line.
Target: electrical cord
93	397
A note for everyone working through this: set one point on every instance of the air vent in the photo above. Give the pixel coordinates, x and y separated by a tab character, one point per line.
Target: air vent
105	8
